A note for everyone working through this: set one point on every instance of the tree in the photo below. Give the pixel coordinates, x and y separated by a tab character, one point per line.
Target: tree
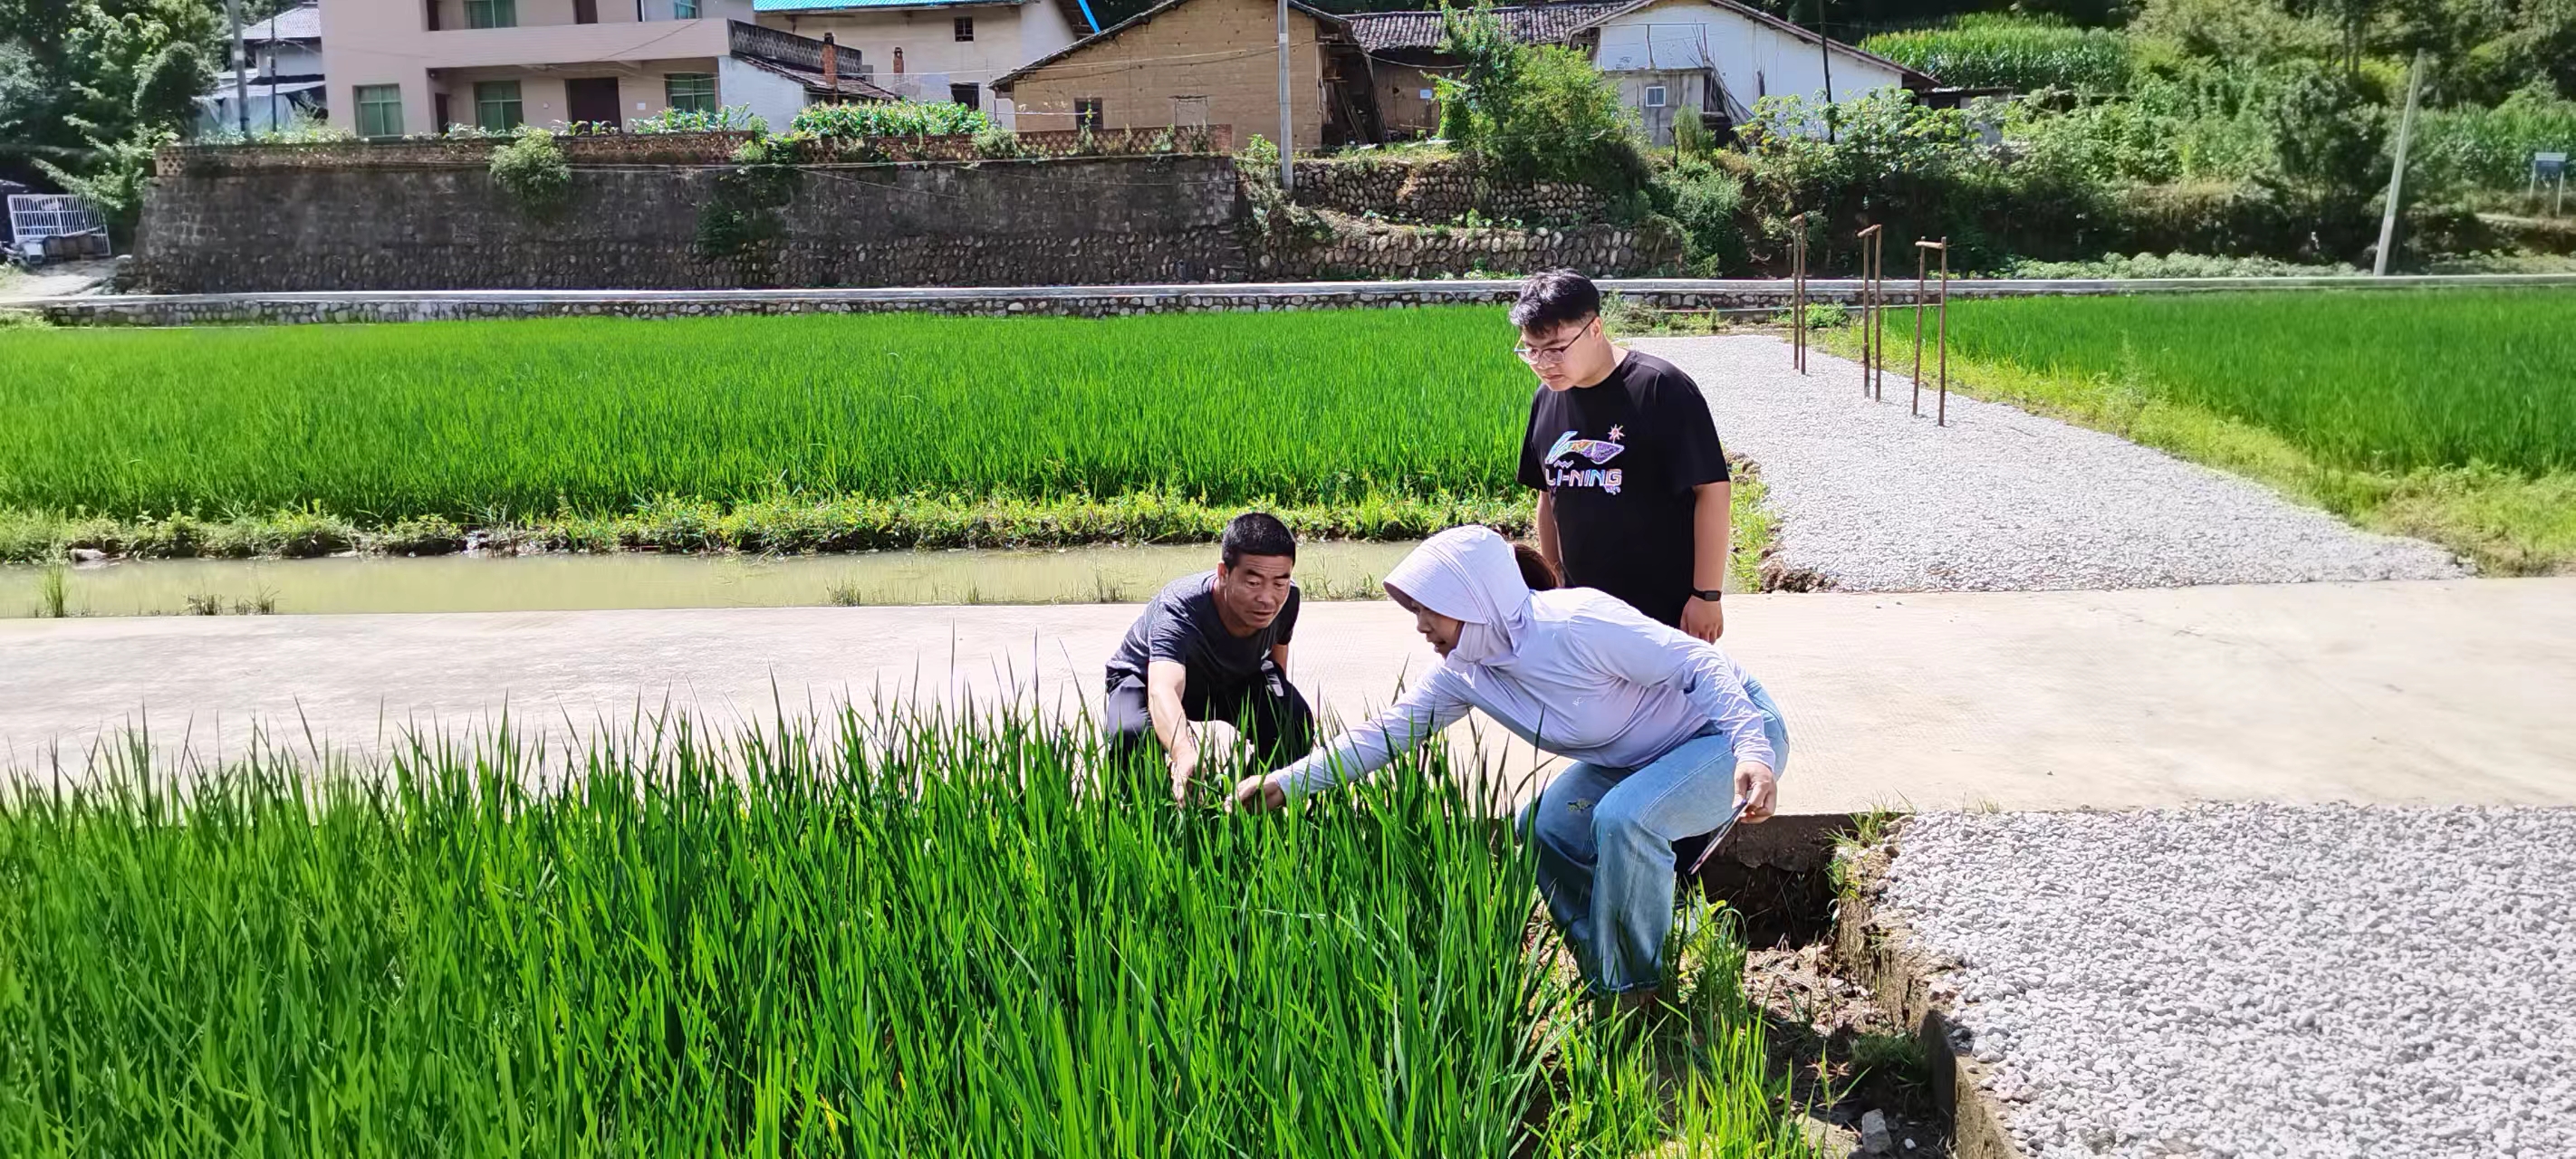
167	98
1535	113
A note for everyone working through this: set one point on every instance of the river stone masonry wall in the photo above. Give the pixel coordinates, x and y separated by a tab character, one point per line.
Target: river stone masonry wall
1442	191
1066	221
1359	249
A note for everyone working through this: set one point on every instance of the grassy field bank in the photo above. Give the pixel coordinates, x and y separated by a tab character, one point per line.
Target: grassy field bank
838	937
805	433
2449	415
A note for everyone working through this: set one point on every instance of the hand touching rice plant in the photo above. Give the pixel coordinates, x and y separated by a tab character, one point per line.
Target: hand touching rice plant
858	936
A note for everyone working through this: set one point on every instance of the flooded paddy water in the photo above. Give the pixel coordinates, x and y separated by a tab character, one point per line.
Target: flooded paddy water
569	582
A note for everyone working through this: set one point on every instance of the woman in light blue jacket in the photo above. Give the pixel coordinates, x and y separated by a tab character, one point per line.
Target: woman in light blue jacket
1669	738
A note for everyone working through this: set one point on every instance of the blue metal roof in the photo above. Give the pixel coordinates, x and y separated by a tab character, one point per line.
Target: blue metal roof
833	5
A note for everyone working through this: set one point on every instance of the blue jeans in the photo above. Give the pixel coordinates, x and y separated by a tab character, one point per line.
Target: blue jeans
1605	846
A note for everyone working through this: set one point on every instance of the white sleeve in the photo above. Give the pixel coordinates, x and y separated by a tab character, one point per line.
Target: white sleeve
1418	716
1652	654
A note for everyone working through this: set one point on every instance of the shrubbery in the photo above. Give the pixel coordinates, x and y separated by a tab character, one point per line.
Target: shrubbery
532	169
1540	114
890	119
729	119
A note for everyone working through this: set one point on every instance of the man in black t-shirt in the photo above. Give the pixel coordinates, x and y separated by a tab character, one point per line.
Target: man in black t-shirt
1632	483
1214	646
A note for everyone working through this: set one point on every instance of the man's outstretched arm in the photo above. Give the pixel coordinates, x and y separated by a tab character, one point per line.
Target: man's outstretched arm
1165	681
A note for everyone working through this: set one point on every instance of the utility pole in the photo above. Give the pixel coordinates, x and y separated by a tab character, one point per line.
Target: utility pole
1287	135
2397	170
1825	49
241	64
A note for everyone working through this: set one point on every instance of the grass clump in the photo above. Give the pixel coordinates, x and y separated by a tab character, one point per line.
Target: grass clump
836	936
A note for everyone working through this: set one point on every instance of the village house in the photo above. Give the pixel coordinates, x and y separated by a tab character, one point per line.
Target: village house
1206	62
937	50
1712	58
283	76
418	66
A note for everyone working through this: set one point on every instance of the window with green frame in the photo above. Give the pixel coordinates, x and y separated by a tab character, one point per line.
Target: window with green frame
491	13
691	92
379	110
684	9
496	106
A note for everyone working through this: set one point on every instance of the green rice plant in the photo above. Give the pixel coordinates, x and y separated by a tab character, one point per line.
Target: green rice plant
847	935
599	417
2017	53
2366	380
53	592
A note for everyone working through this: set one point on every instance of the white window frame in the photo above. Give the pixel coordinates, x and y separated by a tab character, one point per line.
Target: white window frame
1656	96
358	95
671	91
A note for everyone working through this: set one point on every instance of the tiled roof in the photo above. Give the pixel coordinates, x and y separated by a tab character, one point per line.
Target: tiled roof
851	85
1004	82
1529	24
299	23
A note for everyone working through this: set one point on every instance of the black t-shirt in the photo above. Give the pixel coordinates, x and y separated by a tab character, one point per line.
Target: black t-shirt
1620	458
1182	624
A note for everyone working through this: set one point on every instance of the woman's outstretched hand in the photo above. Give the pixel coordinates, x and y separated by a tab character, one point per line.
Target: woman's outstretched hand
1754	788
1260	794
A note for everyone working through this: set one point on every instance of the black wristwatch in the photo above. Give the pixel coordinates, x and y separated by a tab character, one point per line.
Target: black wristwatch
1712	595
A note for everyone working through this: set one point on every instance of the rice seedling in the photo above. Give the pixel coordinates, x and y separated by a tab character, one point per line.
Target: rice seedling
845	935
607	416
54	593
2376	381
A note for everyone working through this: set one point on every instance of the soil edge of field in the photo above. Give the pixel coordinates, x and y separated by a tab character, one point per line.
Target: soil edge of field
1908	983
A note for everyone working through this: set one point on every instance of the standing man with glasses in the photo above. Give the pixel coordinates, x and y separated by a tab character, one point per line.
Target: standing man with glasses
1632	483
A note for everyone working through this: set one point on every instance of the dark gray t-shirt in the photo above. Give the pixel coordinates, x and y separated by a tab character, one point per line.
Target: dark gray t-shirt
1182	624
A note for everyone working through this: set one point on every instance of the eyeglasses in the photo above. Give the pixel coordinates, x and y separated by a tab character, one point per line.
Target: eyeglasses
1535	355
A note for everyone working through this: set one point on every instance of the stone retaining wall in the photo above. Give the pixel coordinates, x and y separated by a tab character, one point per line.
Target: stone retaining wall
1071	221
712	148
1441	191
1379	250
1649	293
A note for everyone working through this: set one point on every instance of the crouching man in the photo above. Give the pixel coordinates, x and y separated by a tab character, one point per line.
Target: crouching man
1214	646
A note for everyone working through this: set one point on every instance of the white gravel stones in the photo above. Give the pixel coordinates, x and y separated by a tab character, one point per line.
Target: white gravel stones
2261	980
1873	499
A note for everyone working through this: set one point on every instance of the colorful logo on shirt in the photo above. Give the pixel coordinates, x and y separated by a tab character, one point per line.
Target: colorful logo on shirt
1562	471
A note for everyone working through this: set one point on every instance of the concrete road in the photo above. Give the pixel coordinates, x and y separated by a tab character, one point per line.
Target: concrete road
2453	691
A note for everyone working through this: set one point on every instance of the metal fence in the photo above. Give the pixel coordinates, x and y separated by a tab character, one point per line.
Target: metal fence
36	216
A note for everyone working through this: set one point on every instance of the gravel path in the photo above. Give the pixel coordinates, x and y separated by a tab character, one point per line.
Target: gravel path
2261	980
1872	499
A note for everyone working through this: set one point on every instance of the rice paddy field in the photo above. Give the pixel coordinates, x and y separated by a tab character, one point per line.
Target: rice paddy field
2376	380
859	935
481	422
2447	414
